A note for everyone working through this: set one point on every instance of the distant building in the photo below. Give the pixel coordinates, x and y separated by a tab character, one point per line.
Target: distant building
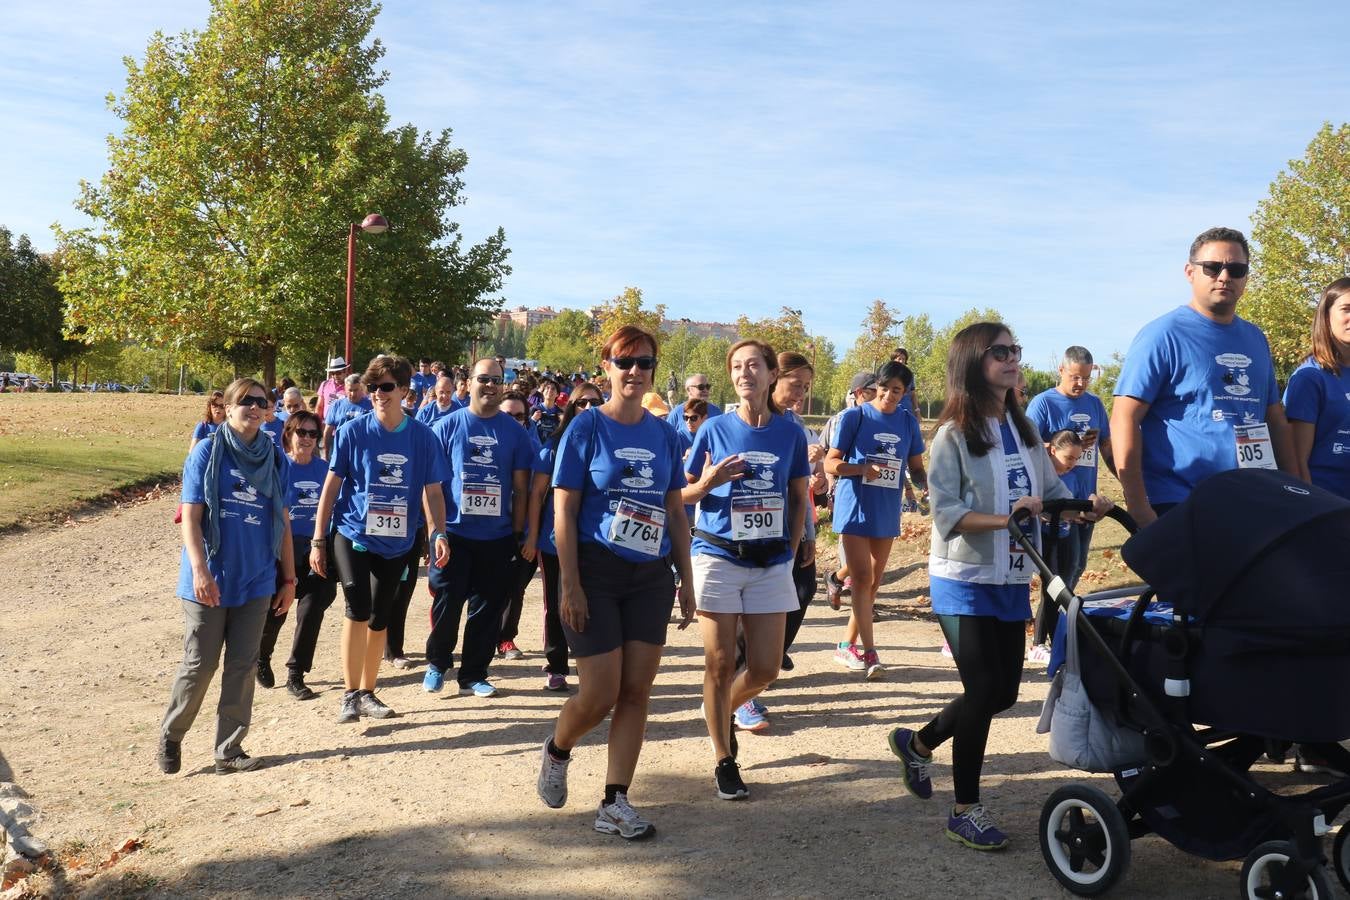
525	317
528	318
702	329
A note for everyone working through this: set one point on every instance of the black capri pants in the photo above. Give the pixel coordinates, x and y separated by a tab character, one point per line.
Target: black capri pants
370	583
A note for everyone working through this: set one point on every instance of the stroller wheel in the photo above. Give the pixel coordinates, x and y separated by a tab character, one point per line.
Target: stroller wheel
1084	839
1340	856
1263	875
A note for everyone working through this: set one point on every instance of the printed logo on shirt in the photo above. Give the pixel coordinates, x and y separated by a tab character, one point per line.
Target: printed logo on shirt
1081	421
1217	415
308	493
251	519
887	443
241	489
638	472
391	470
1236	381
761	472
481	452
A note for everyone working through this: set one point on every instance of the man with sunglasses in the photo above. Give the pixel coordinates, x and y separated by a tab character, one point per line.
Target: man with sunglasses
490	455
1197	393
696	387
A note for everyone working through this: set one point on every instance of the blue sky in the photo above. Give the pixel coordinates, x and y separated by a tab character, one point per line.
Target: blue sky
1050	160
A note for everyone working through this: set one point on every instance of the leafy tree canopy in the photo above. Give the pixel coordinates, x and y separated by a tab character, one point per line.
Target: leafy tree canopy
626	309
562	343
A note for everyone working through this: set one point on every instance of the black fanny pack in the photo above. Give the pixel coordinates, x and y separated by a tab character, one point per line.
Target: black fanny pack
757	553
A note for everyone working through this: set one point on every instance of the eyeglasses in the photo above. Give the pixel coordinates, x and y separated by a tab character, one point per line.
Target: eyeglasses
488	379
384	387
586	402
1004	352
250	400
645	363
700	387
307	432
1212	268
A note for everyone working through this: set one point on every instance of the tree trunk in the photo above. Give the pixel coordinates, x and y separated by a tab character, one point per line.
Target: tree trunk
269	365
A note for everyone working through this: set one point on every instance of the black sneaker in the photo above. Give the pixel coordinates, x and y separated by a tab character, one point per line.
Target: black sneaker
241	763
729	783
351	708
296	687
370	706
787	665
265	676
170	756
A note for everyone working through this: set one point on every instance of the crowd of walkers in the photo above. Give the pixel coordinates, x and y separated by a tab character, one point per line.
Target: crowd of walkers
630	506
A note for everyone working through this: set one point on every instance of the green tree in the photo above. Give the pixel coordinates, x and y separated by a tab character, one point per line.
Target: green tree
626	309
247	150
35	310
786	331
563	343
1302	237
873	346
509	340
710	357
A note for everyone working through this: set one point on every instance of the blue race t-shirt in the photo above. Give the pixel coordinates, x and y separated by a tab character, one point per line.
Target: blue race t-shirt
273	430
458	402
383	473
1052	411
550	417
1322	399
341	410
866	434
302	496
623	473
1203	382
432	413
543	465
484	455
676	417
203	431
421	384
753	509
244	567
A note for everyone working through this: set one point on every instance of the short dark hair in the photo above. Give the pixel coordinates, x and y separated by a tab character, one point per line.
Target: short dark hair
297	419
1220	235
696	407
395	367
891	370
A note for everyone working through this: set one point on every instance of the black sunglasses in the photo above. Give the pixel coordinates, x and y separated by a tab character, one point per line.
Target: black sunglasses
586	402
488	379
701	387
692	418
307	432
249	400
645	363
1004	352
384	387
1212	269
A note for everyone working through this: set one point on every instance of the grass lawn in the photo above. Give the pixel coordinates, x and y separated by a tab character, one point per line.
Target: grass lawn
57	450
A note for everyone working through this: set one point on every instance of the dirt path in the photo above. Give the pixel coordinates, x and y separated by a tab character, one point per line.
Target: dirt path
440	801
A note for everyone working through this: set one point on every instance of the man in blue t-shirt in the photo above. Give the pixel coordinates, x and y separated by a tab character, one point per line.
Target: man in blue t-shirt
696	387
1197	393
440	404
352	403
490	457
1069	405
423	382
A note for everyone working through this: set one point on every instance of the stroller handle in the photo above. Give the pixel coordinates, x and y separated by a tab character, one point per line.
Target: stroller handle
1055	508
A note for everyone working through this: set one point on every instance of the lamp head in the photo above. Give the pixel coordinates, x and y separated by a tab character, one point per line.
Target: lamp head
375	224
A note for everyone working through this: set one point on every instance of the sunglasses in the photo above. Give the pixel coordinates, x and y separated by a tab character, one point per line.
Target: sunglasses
645	363
488	379
249	400
692	418
384	387
1212	269
1004	352
307	432
701	387
586	402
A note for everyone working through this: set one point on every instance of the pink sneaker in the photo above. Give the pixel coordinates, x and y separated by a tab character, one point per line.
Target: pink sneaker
849	656
872	663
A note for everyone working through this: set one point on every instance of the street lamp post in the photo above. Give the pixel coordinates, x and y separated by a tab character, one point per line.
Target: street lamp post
372	224
811	348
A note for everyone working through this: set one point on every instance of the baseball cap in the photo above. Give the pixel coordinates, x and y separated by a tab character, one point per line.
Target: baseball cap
862	381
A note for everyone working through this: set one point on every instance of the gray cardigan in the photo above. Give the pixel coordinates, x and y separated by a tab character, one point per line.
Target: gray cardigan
960	483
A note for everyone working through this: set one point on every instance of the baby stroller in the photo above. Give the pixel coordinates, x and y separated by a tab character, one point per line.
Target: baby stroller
1240	639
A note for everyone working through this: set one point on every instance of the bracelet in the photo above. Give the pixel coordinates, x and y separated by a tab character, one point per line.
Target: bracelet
436	535
288	581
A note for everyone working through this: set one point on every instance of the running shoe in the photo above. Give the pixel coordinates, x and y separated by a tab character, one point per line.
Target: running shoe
555	682
947	650
787	665
296	687
265	676
729	783
170	756
433	681
849	656
872	663
241	763
371	707
482	689
976	829
833	589
509	650
748	718
401	662
620	818
909	506
913	768
552	784
848	584
1039	654
1310	763
351	708
925	505
763	710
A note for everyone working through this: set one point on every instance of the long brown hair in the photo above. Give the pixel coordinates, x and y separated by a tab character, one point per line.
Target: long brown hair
770	360
212	398
570	410
1325	345
969	400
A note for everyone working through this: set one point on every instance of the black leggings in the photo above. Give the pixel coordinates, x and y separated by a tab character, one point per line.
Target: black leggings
988	655
555	641
804	579
313	596
398	614
369	582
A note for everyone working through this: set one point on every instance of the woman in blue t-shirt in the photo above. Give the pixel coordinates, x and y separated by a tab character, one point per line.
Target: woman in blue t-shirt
382	468
237	564
314	593
987	461
874	443
618	518
539	536
212	417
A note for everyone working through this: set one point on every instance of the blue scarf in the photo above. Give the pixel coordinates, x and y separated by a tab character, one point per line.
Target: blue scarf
259	463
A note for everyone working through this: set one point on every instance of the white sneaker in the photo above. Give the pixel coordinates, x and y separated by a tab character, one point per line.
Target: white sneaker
1039	654
552	784
620	818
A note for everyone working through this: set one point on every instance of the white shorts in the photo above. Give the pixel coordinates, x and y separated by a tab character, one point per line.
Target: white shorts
721	586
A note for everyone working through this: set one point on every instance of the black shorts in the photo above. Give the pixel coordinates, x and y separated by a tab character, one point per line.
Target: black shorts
626	601
369	581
